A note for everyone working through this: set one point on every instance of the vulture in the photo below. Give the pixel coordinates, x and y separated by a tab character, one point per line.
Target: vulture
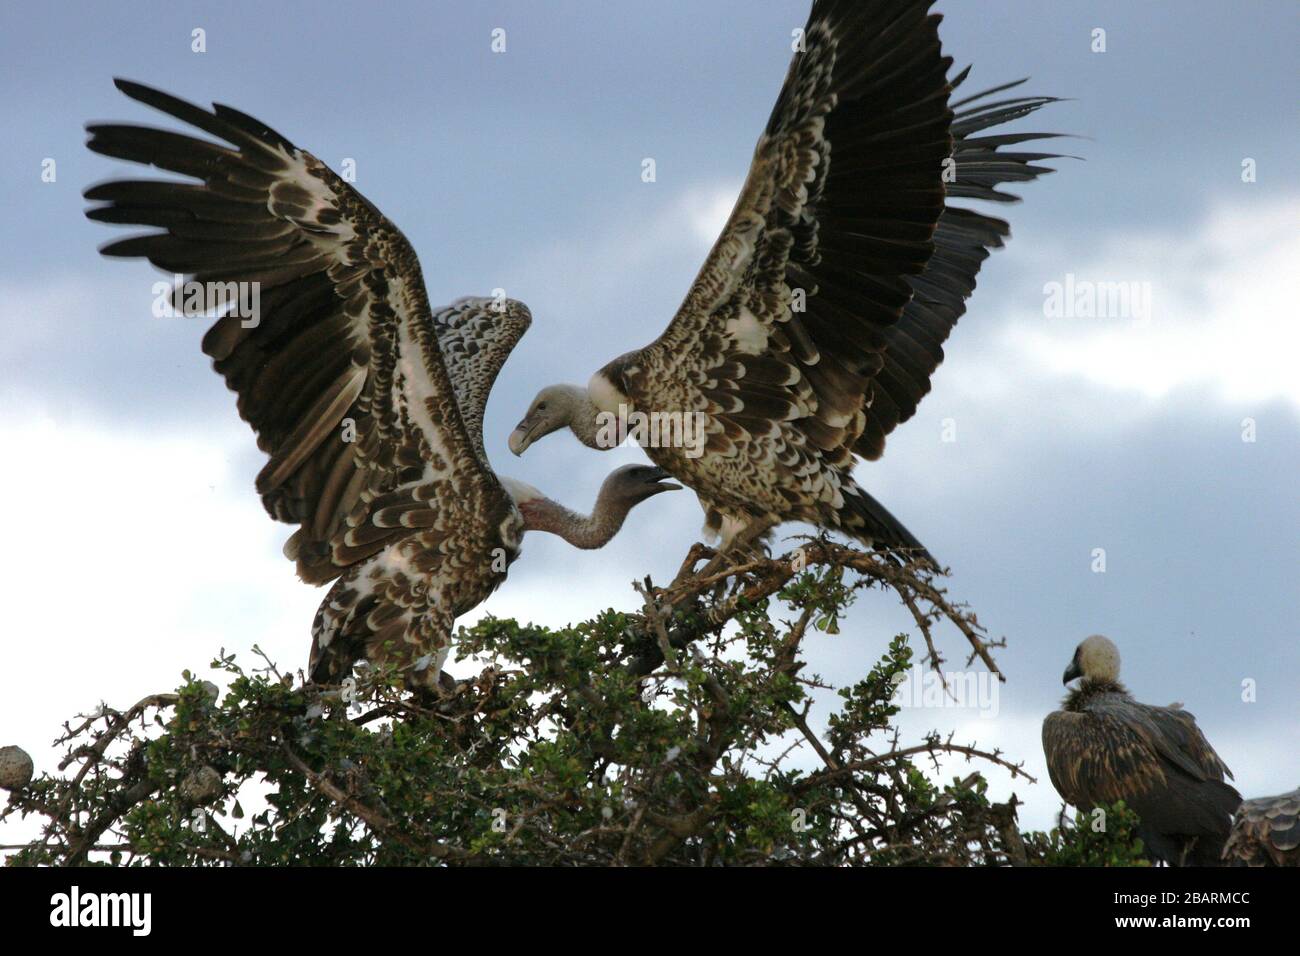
814	325
368	402
1104	746
1266	832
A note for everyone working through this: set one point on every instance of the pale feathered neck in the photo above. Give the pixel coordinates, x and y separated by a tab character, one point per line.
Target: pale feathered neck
583	416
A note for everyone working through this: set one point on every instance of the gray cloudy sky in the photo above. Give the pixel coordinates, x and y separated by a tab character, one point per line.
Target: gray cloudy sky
135	546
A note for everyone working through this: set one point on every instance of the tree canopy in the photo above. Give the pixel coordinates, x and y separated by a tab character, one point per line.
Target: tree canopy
678	735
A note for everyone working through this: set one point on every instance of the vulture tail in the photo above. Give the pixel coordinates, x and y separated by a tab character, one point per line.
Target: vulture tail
1222	800
1198	837
867	520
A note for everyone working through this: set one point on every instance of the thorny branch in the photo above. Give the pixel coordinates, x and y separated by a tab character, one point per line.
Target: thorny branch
756	579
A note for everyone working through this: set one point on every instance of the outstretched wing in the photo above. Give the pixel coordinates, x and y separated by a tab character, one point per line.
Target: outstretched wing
842	270
336	363
476	336
785	320
963	239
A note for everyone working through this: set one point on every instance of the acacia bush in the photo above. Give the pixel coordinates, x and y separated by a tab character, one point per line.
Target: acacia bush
678	735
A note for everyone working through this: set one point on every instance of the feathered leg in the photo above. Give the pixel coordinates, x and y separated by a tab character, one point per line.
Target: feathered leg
728	550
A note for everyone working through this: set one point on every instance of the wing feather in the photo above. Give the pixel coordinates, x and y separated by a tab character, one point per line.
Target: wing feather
1266	832
476	336
912	348
839	207
845	205
340	372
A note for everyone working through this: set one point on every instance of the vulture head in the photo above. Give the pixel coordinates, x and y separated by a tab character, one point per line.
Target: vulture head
632	484
555	407
1096	658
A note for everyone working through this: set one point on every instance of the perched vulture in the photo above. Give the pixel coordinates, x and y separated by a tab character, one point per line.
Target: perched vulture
1104	746
1266	832
815	324
368	402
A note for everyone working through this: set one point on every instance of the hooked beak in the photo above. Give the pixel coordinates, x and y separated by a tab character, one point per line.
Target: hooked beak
1071	672
521	437
657	480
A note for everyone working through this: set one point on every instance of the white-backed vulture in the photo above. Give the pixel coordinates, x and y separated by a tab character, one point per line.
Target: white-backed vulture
368	402
1103	746
815	324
